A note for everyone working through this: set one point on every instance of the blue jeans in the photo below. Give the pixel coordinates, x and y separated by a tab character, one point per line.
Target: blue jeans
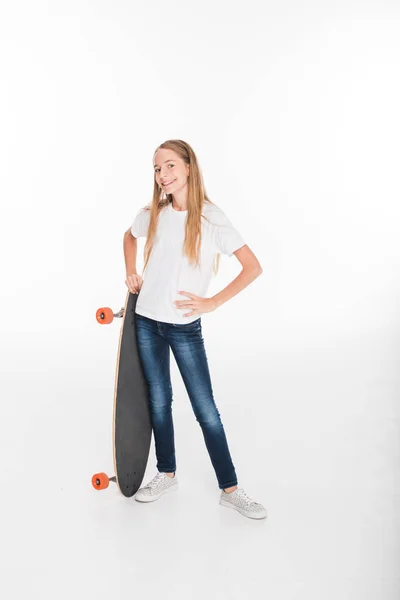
155	338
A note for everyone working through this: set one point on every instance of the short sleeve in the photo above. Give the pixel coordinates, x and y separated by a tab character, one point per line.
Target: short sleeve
141	223
228	239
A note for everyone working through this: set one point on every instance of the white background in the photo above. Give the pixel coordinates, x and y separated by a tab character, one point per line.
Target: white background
293	111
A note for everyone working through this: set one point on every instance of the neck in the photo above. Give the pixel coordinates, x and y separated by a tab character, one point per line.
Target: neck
179	199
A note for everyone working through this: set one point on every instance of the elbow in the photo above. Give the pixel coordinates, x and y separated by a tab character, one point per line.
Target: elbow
253	271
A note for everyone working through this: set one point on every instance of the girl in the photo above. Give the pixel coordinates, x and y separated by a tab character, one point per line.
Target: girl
185	233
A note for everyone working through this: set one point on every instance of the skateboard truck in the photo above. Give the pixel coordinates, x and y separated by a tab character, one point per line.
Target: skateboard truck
101	481
104	316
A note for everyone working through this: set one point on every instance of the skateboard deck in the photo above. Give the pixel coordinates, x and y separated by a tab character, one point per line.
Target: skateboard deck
132	427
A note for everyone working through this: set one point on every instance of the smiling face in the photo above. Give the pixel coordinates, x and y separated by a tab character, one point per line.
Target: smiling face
170	171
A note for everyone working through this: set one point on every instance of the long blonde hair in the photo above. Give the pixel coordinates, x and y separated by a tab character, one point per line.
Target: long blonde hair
197	196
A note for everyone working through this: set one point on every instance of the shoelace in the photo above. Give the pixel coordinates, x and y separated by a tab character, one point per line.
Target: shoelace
154	482
242	494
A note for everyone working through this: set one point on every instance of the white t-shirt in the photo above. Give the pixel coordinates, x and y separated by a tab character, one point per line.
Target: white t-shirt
169	271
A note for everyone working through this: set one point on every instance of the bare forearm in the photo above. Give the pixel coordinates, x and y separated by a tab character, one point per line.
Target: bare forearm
245	277
130	253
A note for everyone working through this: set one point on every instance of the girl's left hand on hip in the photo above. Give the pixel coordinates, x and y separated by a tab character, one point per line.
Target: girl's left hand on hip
197	304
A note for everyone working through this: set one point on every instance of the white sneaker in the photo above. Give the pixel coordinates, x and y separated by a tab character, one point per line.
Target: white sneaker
240	501
159	485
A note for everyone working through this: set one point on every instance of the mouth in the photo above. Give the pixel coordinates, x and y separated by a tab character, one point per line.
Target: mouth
168	184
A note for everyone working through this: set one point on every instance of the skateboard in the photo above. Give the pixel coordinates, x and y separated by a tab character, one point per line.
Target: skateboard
132	427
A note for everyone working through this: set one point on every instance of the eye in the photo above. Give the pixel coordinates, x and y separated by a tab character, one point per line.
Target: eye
170	165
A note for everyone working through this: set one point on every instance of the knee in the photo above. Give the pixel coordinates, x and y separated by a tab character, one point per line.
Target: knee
160	408
160	401
210	420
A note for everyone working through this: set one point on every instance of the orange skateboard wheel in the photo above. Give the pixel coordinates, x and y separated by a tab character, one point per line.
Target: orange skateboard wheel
100	481
104	316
